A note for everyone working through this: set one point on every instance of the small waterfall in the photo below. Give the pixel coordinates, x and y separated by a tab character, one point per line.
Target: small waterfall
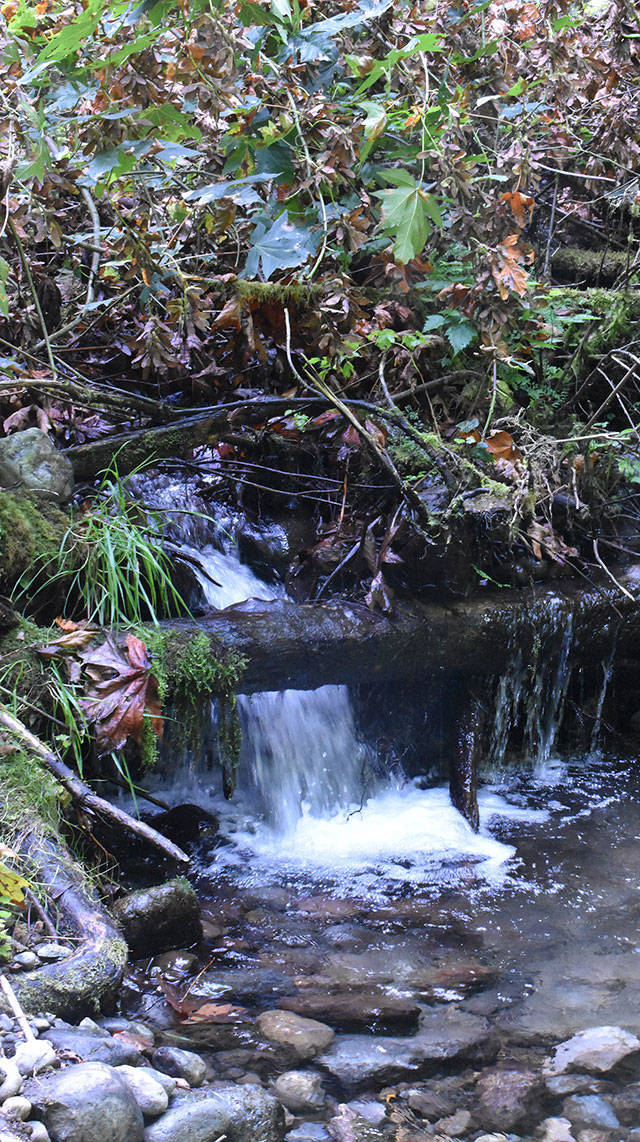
531	694
300	750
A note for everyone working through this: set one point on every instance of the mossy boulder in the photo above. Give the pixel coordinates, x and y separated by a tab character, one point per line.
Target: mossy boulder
30	459
32	529
160	918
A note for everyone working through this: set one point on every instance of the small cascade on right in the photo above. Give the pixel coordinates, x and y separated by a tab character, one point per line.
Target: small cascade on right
535	696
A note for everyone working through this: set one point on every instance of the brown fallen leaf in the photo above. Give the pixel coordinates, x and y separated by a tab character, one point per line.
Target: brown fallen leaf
123	691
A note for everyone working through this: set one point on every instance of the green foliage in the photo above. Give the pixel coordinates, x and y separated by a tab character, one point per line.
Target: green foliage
110	562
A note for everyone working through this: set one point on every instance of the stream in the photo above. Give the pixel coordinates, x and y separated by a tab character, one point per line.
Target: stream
350	892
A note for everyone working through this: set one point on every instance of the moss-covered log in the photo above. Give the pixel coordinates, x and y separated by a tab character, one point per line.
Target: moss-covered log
590	267
93	972
302	646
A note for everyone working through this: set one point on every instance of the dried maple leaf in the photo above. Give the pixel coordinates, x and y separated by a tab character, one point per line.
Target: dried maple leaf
521	205
507	267
123	691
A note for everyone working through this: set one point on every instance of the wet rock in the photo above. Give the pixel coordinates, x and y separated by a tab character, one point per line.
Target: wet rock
435	1102
174	966
180	1064
185	824
455	1124
306	1037
51	951
590	1110
598	1049
130	1031
447	1034
150	1095
34	1056
17	1107
160	918
93	1047
39	1132
372	1010
572	1084
626	1104
243	1114
300	1091
12	1130
349	1126
26	960
556	1130
85	1103
257	983
370	1109
11	1079
307	1132
507	1097
30	459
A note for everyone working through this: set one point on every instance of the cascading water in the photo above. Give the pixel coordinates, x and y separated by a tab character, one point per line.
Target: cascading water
309	788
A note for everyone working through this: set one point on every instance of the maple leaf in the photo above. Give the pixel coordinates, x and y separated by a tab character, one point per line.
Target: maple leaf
521	205
507	267
123	691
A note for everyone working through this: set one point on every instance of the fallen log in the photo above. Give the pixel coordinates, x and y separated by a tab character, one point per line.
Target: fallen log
301	646
93	972
84	796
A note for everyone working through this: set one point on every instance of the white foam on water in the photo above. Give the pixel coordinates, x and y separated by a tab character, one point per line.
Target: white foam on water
401	835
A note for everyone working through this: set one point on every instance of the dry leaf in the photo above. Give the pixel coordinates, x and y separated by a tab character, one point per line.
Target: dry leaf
124	690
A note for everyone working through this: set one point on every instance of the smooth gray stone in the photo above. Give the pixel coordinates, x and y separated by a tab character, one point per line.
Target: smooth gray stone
31	459
180	1064
87	1102
92	1047
242	1113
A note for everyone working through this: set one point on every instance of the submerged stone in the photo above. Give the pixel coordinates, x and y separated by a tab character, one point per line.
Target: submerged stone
241	1113
300	1092
374	1009
94	1047
306	1037
597	1049
447	1034
590	1110
507	1097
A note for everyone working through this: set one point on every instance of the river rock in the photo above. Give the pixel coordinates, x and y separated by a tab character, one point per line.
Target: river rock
455	1124
25	960
300	1091
626	1104
446	1034
507	1097
150	1095
307	1132
556	1130
31	459
354	1011
87	1102
17	1107
52	951
597	1049
242	1113
34	1056
180	1064
349	1126
590	1110
160	918
306	1037
95	1047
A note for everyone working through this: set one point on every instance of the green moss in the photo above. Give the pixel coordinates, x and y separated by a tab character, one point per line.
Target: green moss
27	792
189	670
31	531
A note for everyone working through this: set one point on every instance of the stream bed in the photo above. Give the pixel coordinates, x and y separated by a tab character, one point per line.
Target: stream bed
431	953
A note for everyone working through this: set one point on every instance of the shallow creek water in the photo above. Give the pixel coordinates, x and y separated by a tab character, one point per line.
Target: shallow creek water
363	900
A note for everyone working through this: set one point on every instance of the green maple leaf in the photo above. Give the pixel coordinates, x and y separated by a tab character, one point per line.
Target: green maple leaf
408	214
